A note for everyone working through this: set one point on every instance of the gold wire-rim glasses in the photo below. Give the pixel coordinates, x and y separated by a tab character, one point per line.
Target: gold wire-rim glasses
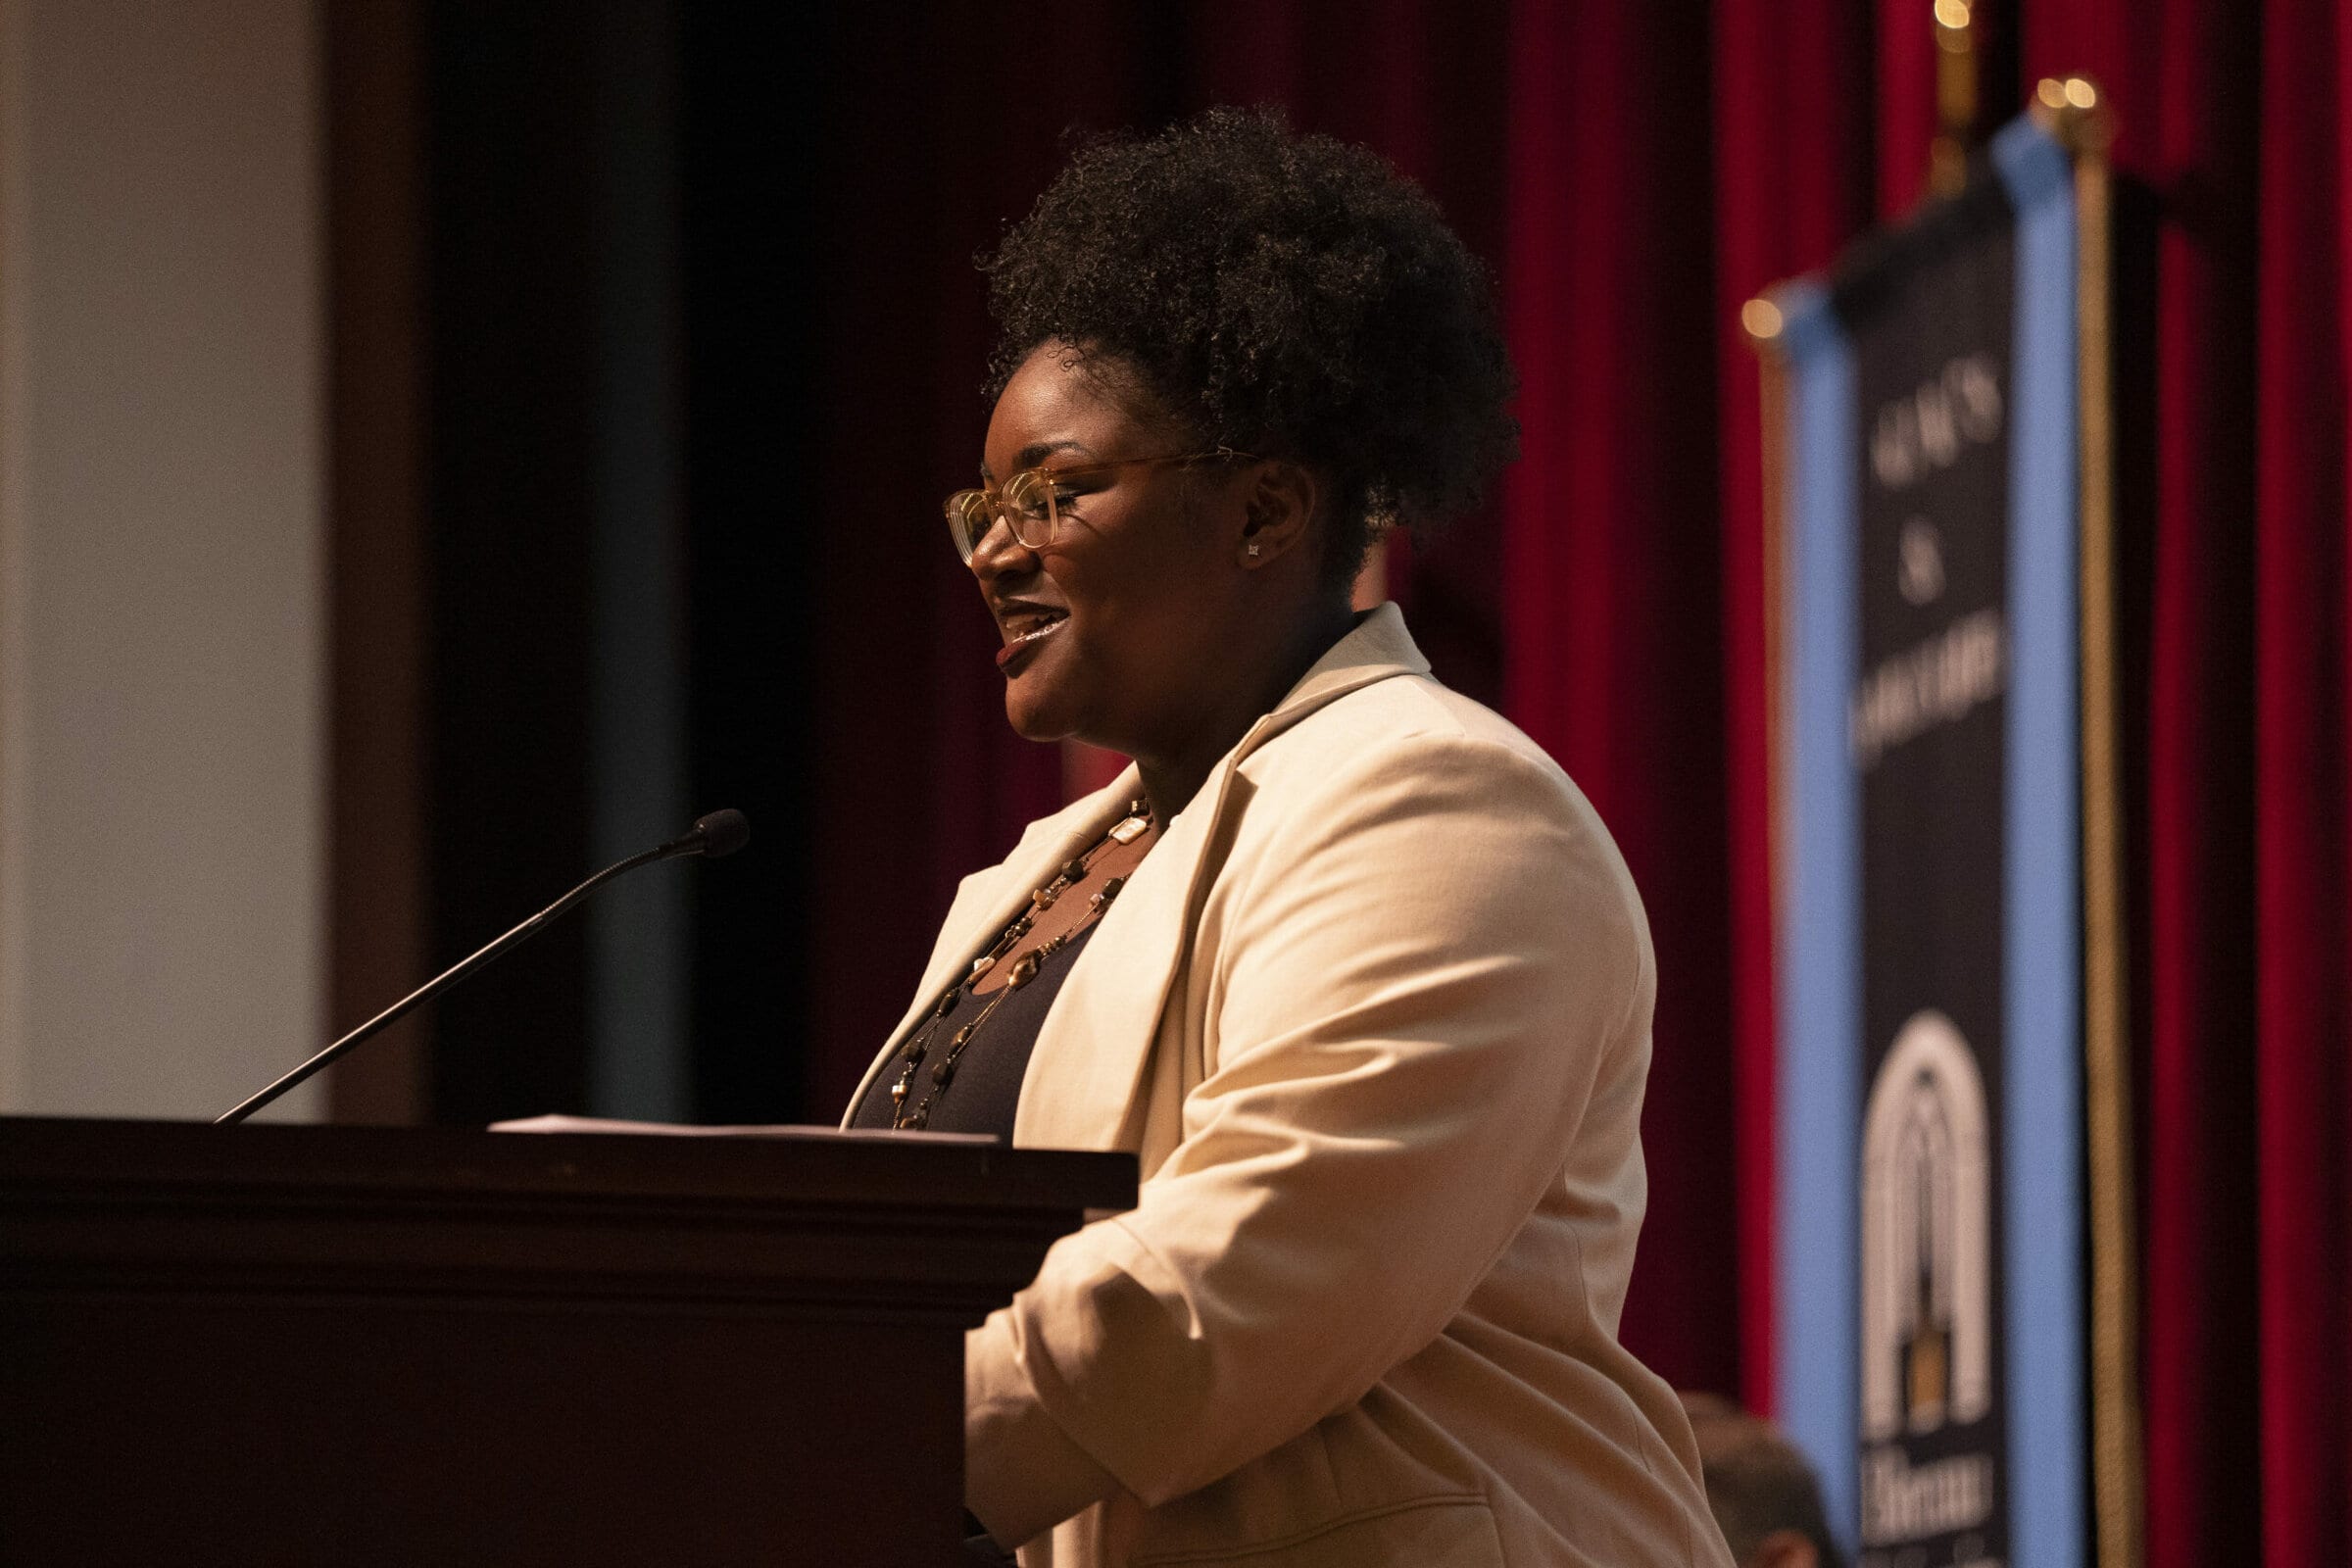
1030	505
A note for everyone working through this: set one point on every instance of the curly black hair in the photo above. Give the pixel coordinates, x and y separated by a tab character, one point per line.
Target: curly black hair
1283	294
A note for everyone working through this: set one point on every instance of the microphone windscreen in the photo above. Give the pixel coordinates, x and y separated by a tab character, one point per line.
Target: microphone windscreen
723	833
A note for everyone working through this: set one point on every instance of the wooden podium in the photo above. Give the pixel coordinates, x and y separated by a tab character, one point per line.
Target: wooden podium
347	1345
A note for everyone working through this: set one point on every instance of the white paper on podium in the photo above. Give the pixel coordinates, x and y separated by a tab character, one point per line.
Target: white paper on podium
672	1129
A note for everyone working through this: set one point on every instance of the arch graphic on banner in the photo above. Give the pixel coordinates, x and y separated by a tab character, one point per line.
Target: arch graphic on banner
1927	1235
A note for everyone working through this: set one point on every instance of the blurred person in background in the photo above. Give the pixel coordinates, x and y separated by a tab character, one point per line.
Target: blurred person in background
1763	1493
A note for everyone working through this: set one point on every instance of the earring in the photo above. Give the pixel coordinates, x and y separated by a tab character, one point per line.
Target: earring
1253	548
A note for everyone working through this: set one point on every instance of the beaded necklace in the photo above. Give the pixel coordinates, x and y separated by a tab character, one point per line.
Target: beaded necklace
1024	969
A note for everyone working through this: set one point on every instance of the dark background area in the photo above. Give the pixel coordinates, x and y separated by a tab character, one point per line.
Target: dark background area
557	149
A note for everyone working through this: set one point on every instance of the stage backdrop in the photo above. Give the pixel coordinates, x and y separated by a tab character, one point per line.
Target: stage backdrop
1635	173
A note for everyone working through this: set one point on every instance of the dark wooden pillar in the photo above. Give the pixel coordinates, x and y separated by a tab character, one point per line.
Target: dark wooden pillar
378	889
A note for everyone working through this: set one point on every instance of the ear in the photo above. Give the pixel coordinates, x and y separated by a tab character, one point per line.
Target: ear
1278	513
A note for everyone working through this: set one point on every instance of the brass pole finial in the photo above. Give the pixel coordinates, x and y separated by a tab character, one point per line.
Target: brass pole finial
2075	113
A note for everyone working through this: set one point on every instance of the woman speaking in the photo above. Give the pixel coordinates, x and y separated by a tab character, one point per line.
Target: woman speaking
1344	958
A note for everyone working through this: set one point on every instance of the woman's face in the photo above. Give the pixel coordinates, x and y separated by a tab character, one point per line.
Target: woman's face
1111	630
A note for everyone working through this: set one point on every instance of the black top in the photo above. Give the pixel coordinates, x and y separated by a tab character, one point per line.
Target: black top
987	1087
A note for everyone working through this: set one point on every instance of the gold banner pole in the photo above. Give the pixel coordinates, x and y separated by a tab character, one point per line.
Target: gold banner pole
1761	320
1955	97
2073	112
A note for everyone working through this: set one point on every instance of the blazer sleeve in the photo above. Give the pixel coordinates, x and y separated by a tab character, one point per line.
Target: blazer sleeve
1417	986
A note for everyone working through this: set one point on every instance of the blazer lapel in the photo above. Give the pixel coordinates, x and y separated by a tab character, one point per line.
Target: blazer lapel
1097	1040
985	904
1091	1053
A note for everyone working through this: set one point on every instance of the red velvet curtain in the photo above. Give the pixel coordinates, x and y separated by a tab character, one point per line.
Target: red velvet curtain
2236	118
1634	173
1613	611
2301	893
1794	184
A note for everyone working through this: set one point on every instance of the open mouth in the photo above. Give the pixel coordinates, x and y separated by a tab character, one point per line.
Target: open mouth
1026	629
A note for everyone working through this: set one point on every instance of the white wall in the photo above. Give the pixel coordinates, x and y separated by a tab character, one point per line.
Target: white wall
162	635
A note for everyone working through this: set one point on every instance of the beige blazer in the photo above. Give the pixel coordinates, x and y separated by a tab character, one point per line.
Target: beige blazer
1374	1015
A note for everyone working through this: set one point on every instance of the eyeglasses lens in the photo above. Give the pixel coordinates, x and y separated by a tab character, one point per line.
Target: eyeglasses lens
1029	508
968	518
1026	503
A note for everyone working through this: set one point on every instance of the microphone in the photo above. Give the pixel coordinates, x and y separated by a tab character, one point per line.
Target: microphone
719	834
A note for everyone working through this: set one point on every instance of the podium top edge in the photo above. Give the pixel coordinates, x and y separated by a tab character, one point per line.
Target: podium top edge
327	1162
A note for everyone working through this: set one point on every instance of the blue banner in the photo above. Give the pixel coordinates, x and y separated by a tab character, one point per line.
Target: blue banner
1931	1208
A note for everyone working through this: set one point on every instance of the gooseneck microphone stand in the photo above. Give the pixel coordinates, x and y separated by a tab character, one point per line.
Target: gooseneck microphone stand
721	833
